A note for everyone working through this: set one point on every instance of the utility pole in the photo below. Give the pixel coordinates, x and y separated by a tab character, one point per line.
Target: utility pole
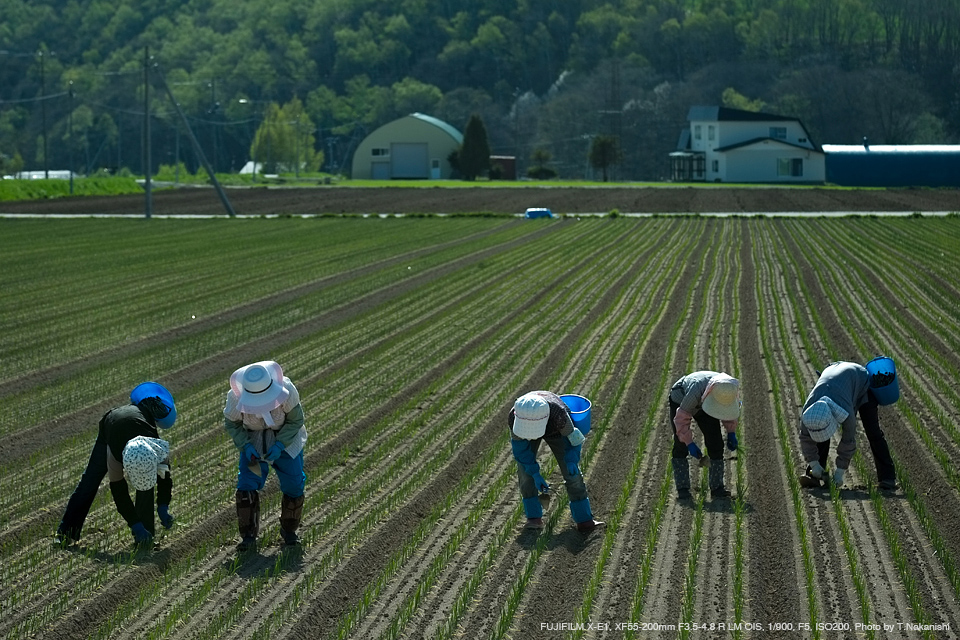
146	132
70	138
43	116
196	147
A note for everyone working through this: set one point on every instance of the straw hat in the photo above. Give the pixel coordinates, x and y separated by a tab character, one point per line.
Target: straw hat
722	397
823	418
259	387
141	458
531	412
161	398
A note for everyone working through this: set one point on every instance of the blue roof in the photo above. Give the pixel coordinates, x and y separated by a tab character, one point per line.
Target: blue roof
437	122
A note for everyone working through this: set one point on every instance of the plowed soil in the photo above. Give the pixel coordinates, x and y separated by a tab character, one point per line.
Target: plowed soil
298	201
436	550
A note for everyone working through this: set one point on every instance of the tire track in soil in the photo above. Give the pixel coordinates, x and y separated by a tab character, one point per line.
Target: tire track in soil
328	606
563	574
888	604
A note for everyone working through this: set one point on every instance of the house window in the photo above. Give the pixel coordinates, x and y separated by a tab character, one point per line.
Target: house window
697	134
792	167
715	166
778	133
380	152
711	133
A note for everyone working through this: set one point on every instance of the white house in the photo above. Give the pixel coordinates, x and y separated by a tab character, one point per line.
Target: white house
730	145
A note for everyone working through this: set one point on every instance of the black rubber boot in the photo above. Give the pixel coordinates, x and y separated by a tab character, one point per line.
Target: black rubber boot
681	476
291	510
717	490
248	519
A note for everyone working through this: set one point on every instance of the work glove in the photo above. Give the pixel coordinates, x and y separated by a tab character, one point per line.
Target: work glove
732	441
576	438
249	453
838	477
163	512
815	469
140	533
694	450
274	453
540	483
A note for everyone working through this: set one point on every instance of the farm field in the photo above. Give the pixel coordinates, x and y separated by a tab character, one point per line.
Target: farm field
409	339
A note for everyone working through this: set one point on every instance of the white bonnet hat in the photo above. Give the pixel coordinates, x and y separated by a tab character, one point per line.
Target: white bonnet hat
259	387
141	458
530	414
822	418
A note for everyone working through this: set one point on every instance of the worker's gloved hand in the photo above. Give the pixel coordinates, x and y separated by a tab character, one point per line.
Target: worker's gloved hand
249	453
140	533
166	519
274	453
838	477
694	450
576	438
540	483
732	441
815	469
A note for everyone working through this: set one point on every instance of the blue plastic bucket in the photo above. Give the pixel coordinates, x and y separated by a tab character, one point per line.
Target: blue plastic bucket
579	411
889	393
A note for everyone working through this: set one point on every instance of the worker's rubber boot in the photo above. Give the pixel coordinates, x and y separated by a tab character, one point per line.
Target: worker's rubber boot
291	510
248	519
717	490
681	477
533	509
580	510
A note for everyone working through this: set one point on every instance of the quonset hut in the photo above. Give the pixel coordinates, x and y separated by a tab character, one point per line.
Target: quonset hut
909	165
413	147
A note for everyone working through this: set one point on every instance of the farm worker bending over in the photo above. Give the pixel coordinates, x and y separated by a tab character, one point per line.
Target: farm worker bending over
265	420
712	399
844	389
151	406
542	416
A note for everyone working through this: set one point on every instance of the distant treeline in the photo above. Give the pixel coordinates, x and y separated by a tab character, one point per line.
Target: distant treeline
546	76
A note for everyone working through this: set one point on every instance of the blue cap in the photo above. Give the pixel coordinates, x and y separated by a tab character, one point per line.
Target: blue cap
156	390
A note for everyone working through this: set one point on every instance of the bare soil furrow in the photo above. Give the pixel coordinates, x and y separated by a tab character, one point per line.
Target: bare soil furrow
774	563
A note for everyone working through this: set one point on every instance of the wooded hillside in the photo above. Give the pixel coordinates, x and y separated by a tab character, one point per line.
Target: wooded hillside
544	75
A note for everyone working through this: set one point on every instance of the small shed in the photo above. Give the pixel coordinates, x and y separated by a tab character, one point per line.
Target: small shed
413	147
882	165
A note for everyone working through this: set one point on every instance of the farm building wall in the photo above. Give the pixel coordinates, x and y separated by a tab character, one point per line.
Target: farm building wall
412	147
900	166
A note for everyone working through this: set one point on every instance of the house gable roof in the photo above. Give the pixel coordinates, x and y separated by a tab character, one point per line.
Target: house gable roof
734	115
753	141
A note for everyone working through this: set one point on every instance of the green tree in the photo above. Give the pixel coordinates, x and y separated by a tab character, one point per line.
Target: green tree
604	152
540	171
474	156
284	142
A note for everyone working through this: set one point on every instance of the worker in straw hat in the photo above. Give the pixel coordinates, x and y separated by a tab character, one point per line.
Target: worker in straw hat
712	399
541	416
843	390
264	418
151	407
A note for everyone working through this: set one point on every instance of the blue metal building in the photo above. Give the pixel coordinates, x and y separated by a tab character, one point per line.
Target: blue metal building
910	165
